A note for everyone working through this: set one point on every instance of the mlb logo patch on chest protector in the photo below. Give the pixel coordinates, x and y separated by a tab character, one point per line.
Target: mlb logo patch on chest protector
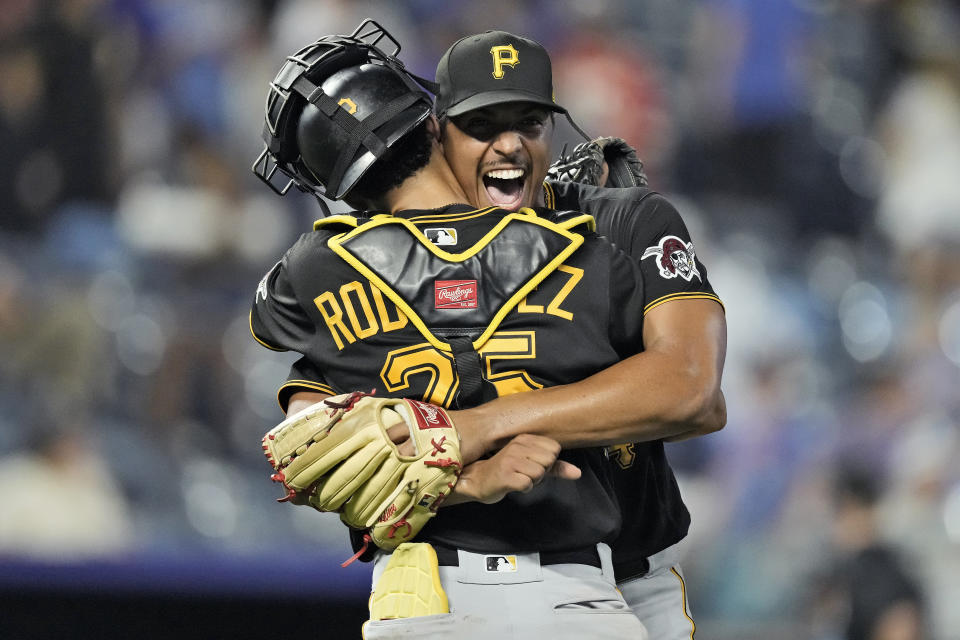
455	294
441	236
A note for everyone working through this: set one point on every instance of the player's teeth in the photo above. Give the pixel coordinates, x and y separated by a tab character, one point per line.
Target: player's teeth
505	174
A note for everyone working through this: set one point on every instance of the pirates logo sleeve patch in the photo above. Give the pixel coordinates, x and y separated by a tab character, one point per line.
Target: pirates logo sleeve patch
674	257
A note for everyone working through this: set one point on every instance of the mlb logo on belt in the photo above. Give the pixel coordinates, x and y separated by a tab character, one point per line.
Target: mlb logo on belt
455	294
501	564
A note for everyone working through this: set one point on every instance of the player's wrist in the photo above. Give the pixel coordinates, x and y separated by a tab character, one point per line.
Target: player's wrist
483	481
464	491
472	425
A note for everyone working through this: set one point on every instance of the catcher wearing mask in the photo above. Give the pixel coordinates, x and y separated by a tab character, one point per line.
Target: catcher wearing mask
463	374
520	520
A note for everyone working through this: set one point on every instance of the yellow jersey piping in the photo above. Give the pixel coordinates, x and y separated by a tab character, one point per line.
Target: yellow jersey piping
685	295
683	595
309	384
549	198
250	325
451	217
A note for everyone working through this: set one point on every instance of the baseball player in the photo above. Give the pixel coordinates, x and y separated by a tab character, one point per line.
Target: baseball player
488	87
371	301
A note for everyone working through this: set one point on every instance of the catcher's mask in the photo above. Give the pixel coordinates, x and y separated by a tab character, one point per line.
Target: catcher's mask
334	107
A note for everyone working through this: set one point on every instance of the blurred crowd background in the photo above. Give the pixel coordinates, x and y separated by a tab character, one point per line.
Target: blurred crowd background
813	147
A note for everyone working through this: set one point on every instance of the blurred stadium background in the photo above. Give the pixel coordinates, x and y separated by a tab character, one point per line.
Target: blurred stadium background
813	147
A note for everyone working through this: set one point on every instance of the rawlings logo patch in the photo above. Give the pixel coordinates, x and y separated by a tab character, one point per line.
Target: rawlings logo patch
387	513
674	258
428	416
455	294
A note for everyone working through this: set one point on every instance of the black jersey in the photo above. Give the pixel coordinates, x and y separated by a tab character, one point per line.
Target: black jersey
645	225
404	303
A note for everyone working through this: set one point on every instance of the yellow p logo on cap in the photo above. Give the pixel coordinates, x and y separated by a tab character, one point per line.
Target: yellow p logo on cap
503	54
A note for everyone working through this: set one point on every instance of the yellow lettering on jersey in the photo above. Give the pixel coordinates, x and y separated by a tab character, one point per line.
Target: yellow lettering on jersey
385	321
333	316
523	307
503	54
576	274
372	326
624	454
402	364
436	373
554	307
360	315
510	345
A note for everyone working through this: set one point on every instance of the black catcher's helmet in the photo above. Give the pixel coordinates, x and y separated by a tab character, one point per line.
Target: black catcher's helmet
334	108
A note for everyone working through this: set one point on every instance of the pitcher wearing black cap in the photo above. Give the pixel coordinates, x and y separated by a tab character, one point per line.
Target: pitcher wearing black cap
672	391
518	550
491	83
496	106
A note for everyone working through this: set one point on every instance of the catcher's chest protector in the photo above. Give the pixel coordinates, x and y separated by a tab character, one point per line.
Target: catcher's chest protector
457	300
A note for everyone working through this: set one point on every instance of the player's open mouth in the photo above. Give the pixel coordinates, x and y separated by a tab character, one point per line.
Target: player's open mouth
504	187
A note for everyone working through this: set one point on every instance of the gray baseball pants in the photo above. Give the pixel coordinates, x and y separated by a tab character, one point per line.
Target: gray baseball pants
518	598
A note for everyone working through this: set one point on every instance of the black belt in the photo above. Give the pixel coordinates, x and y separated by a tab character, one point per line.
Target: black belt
447	556
631	569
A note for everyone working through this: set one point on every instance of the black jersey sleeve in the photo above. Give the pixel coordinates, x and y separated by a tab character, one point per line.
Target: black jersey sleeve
628	296
304	375
667	255
277	319
649	228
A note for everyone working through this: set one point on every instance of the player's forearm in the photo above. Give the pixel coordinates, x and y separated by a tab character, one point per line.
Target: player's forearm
635	400
303	399
715	421
669	391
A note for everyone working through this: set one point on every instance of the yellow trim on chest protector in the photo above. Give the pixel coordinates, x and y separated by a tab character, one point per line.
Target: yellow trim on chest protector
525	215
345	220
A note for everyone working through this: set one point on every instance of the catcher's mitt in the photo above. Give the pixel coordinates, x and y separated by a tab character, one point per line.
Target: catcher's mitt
336	456
585	164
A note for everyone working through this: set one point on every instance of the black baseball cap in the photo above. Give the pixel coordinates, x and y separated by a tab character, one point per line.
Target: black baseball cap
492	68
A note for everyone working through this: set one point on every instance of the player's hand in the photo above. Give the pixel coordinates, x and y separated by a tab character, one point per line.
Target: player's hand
521	465
399	434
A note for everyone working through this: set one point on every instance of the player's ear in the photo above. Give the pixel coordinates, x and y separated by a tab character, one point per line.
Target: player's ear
433	127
